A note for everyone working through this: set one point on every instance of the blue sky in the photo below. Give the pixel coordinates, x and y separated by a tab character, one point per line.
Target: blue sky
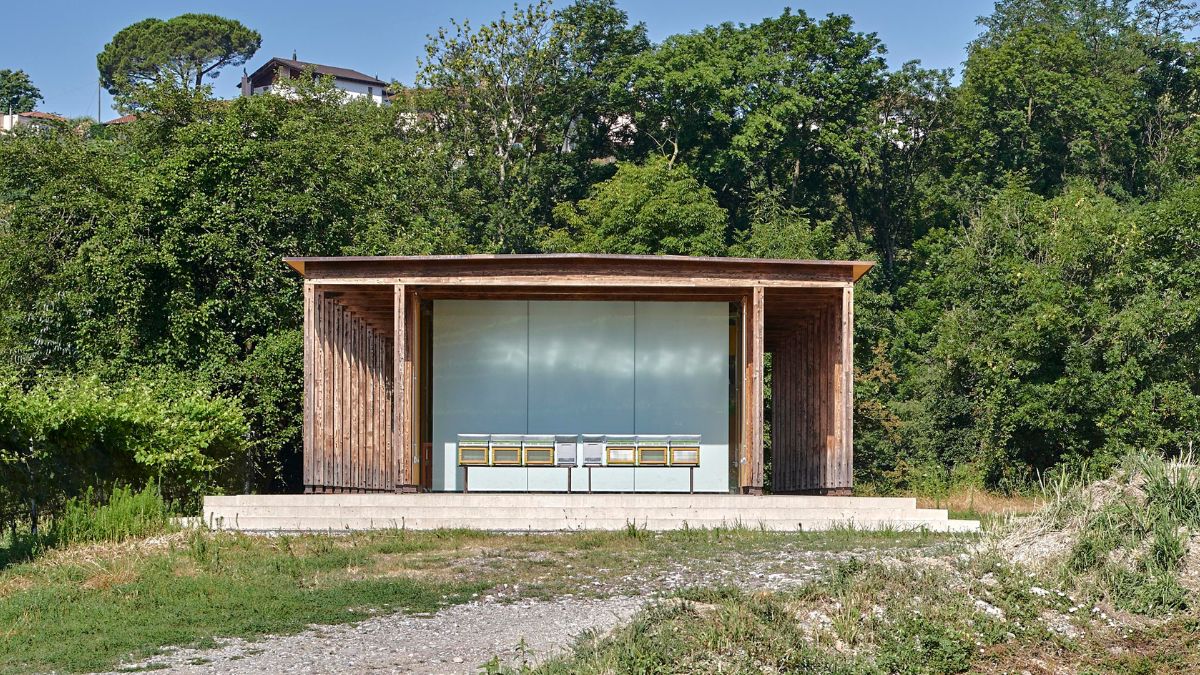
58	46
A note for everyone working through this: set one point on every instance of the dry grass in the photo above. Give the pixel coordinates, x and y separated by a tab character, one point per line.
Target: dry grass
104	580
1130	542
14	584
975	502
103	553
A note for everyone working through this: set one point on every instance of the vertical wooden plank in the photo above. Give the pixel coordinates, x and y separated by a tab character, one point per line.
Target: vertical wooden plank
814	409
360	402
309	336
400	414
361	446
835	403
389	369
782	455
756	476
846	467
381	406
811	412
412	314
335	366
323	388
347	449
382	411
369	412
376	480
330	393
747	368
793	407
831	391
353	464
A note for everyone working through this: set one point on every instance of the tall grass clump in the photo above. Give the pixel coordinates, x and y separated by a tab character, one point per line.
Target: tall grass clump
1132	539
126	515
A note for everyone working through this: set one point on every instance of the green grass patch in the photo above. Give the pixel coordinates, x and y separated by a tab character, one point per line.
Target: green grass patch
88	607
88	613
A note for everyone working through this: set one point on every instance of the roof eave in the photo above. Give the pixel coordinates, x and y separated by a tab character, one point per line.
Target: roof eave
857	267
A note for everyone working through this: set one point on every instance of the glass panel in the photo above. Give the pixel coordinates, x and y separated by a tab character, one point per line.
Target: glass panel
683	380
685	456
472	456
652	456
480	370
505	456
581	356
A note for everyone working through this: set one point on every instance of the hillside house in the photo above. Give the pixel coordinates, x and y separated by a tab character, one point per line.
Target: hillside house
273	75
34	119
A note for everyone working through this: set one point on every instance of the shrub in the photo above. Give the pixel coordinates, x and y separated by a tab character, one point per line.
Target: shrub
66	436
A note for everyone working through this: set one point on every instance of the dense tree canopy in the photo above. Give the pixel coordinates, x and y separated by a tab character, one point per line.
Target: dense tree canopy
1035	307
181	51
17	93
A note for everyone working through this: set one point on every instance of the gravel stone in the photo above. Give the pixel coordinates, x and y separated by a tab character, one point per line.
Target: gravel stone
457	639
501	623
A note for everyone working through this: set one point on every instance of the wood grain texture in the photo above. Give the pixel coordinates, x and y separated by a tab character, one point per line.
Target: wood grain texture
812	437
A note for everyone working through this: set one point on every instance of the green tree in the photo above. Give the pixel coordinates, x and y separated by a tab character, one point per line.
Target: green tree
17	93
643	209
182	51
1076	88
598	45
784	103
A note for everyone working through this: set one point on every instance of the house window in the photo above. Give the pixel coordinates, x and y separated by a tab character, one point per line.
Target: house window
371	92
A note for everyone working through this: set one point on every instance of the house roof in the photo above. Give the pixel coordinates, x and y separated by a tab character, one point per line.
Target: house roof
37	114
583	267
124	119
320	69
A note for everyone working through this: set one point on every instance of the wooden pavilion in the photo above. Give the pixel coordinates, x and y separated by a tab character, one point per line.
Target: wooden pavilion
402	355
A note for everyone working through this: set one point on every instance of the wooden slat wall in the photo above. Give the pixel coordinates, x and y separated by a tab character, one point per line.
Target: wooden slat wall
812	401
348	385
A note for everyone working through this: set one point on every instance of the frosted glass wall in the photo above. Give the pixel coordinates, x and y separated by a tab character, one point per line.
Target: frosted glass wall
581	367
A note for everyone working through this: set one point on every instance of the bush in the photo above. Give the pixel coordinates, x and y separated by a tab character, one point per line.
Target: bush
71	435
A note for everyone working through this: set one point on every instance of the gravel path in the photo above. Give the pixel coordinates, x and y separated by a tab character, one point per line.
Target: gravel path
455	640
502	624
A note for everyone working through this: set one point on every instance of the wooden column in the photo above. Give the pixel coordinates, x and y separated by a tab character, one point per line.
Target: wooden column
310	336
751	469
844	471
402	399
411	398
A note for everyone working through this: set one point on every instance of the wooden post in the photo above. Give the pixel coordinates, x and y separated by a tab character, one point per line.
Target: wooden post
743	468
310	330
411	352
751	462
756	447
846	466
401	409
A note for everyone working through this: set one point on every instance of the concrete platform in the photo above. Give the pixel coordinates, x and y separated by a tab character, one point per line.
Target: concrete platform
553	512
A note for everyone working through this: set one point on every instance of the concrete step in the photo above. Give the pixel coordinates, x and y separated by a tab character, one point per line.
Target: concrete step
555	500
596	513
547	512
246	522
